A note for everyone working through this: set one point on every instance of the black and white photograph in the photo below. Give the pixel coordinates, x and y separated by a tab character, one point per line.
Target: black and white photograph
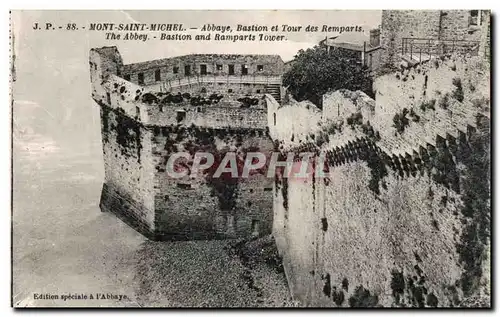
251	158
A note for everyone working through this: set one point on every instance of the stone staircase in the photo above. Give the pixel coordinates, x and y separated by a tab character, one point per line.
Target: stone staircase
275	91
410	60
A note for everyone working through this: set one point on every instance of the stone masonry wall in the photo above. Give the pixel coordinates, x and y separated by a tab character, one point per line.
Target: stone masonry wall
403	219
209	116
292	124
382	232
197	206
235	90
272	65
127	189
427	24
141	128
399	24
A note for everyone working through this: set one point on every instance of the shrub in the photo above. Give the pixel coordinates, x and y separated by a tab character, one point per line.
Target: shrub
444	102
355	119
428	105
400	121
458	93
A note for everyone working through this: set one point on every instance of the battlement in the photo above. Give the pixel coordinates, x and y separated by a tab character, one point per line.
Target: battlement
196	65
412	106
145	122
408	181
205	101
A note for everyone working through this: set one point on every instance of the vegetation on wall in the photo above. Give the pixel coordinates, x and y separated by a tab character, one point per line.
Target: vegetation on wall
363	298
400	121
475	156
429	104
354	119
128	131
378	171
105	122
317	71
458	92
194	139
284	193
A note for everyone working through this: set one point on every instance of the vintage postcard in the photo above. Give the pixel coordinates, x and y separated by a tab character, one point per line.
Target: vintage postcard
251	158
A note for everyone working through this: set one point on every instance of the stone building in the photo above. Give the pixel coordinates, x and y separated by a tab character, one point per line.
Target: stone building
364	49
417	35
196	103
225	74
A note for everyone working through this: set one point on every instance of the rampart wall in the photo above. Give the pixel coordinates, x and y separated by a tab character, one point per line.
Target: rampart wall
200	206
403	218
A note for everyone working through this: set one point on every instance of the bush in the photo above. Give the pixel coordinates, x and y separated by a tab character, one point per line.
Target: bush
458	93
428	105
444	102
317	71
400	121
355	119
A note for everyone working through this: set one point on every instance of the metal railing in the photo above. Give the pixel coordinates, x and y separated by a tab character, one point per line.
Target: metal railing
186	81
426	48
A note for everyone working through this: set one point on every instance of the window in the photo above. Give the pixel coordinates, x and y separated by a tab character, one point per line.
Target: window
157	75
258	91
229	90
274	118
176	69
187	70
255	227
137	112
127	77
219	67
474	17
140	78
260	68
198	109
231	69
108	98
184	186
203	69
181	115
244	69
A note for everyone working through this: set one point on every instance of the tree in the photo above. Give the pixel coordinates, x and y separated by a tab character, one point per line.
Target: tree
316	71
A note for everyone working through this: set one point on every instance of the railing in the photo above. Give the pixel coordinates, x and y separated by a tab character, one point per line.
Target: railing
424	49
244	79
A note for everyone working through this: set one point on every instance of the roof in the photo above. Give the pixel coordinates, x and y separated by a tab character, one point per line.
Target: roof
354	41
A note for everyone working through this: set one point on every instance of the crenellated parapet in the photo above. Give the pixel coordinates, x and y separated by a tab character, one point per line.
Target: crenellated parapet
414	109
153	111
402	217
